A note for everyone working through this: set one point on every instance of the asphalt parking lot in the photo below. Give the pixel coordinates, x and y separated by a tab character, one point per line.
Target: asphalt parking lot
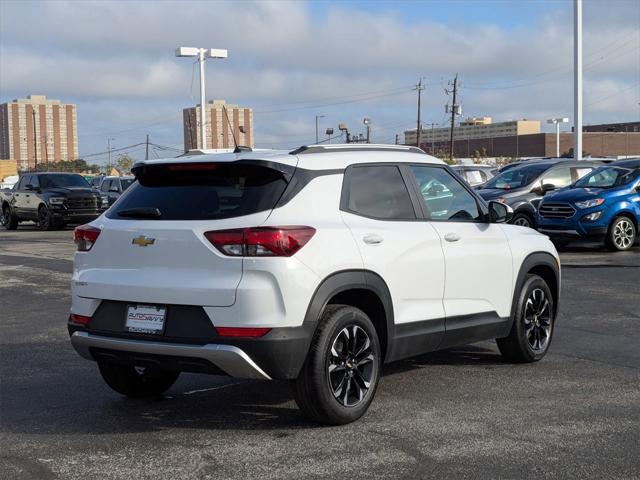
461	413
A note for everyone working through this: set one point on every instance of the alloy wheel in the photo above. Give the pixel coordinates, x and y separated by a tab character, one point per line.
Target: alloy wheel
351	366
522	222
623	235
537	320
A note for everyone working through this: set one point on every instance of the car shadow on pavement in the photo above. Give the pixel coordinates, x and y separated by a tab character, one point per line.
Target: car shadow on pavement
75	400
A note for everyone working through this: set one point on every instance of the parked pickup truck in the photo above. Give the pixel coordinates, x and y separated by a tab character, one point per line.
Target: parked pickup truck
52	200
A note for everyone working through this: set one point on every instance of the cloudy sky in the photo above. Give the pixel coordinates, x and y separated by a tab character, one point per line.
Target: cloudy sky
292	60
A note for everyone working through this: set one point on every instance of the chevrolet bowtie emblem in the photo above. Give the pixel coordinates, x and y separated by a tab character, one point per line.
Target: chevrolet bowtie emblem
143	241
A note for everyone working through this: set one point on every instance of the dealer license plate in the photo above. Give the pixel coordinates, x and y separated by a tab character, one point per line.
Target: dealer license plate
145	319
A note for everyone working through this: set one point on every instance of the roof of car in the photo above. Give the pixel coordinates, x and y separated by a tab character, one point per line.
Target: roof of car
314	157
628	163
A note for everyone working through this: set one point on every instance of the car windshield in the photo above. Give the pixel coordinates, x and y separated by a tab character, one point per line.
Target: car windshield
126	183
607	177
517	177
63	180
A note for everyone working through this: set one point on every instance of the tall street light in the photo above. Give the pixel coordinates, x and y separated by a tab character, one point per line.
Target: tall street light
577	79
318	117
557	122
202	54
367	122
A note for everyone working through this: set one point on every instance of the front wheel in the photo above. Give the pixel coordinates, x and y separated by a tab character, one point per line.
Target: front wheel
137	382
530	335
339	378
621	235
522	220
8	220
45	219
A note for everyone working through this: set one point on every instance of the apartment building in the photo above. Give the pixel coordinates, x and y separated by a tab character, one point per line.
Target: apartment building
223	123
473	128
37	130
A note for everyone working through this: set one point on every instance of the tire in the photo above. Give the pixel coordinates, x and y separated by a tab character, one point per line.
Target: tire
332	388
45	220
137	382
533	325
8	219
621	235
523	220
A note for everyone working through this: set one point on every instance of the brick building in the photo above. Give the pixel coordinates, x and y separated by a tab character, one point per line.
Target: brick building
37	130
220	127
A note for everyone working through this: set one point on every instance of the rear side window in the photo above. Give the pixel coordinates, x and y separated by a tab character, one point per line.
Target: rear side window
206	191
379	192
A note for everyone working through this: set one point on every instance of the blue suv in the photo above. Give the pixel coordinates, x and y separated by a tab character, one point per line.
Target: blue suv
603	205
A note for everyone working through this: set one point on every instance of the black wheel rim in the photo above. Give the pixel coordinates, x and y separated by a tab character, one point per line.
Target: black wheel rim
43	217
4	218
352	366
537	320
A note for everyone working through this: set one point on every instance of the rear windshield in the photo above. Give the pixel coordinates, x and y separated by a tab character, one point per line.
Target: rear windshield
126	183
200	192
62	180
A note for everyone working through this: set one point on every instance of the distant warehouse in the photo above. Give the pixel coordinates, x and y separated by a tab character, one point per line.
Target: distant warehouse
522	138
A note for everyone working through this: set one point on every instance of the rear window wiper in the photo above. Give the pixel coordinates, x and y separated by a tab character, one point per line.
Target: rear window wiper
142	212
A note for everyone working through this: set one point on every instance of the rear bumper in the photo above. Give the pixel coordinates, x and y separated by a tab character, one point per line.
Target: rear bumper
228	358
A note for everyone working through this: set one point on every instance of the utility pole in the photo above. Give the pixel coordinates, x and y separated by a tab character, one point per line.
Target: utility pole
146	153
454	108
397	138
577	79
35	141
419	87
109	150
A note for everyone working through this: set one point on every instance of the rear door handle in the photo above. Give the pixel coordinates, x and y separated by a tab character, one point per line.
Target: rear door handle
372	239
452	237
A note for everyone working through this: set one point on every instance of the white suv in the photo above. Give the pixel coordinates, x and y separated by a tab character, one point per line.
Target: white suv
316	265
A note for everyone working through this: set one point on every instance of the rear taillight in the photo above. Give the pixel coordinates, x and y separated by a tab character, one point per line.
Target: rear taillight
242	331
79	319
85	236
261	241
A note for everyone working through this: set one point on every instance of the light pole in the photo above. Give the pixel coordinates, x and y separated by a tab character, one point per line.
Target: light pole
557	122
367	122
577	79
317	117
202	54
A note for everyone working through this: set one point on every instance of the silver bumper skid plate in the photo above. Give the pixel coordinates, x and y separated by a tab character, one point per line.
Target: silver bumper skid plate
228	358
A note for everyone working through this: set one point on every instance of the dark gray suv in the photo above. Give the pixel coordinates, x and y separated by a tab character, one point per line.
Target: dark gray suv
523	187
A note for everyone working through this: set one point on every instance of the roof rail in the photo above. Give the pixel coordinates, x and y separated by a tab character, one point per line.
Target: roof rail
359	147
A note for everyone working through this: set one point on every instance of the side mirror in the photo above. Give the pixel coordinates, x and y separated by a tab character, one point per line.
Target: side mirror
542	189
28	186
114	189
499	212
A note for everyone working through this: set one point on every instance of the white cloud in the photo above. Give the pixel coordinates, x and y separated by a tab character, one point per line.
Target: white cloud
115	60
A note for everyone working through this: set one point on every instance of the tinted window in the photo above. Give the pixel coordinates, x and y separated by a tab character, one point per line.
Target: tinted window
34	181
516	177
21	183
206	191
126	183
443	196
608	177
557	176
105	186
379	192
62	180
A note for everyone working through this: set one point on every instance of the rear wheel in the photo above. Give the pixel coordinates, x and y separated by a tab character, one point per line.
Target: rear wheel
621	235
8	219
340	375
533	324
522	220
137	382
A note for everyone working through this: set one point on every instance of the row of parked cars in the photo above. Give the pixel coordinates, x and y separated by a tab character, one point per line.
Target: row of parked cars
571	200
53	200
